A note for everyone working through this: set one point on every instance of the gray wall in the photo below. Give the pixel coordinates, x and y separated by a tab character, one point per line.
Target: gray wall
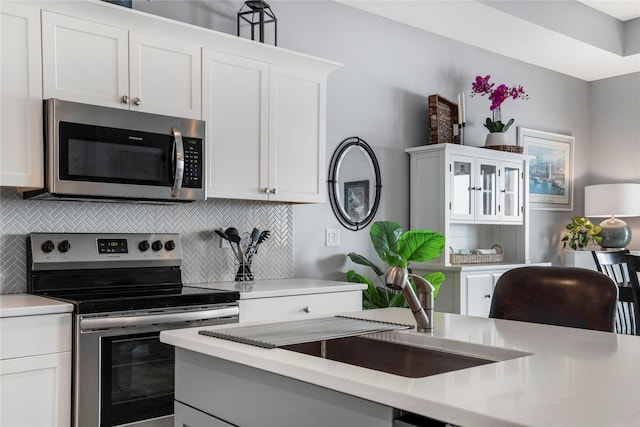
614	117
381	94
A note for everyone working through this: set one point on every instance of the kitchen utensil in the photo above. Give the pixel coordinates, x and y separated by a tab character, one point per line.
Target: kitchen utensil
221	233
224	236
254	236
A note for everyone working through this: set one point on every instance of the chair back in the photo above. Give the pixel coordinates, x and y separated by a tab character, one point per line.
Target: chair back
614	265
633	263
562	296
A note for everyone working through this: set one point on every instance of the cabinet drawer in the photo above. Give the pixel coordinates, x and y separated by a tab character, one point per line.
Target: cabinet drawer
34	335
259	309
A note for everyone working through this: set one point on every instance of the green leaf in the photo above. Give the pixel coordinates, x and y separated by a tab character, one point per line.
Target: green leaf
384	237
436	279
490	125
371	293
397	300
420	245
359	259
507	126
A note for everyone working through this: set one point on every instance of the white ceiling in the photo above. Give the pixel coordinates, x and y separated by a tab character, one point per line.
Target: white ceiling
623	10
484	26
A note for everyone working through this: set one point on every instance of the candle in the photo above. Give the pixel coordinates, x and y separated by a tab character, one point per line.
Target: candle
459	110
464	113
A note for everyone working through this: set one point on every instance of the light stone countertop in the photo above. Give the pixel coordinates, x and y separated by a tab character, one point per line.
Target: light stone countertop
564	376
282	287
13	305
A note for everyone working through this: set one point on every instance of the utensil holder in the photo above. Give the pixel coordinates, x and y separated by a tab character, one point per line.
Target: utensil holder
244	272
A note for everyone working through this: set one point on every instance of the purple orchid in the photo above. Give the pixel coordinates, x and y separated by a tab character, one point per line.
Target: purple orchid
482	86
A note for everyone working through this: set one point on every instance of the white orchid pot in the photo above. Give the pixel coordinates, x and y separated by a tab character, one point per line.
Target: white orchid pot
496	138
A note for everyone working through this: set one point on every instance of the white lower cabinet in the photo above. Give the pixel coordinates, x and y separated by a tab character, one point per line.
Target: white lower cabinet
297	306
35	371
468	289
478	289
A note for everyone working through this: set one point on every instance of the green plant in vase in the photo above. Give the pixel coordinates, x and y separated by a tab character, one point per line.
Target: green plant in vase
581	233
397	249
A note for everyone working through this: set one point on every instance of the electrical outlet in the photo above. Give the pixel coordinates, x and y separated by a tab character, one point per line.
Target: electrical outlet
332	237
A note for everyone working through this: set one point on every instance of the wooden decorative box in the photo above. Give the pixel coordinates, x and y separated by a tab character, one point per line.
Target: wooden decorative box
443	115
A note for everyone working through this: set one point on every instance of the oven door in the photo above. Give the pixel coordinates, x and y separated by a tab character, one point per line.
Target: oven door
137	379
123	374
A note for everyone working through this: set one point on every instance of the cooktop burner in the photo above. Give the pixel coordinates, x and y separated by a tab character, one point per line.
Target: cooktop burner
113	272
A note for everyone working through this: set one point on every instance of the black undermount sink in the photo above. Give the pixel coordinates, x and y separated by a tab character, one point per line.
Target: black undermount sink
393	358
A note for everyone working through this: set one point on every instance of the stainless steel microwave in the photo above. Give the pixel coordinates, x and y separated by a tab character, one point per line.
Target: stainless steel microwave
94	152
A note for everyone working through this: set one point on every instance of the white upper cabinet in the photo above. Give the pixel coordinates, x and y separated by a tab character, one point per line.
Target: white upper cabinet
265	130
236	95
165	76
99	64
21	158
297	117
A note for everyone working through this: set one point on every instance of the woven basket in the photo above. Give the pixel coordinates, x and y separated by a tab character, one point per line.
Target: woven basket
509	148
478	258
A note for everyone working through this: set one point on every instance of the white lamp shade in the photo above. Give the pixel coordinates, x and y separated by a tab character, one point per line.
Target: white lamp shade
621	200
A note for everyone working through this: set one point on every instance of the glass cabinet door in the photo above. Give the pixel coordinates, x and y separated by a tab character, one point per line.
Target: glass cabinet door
487	190
512	192
462	188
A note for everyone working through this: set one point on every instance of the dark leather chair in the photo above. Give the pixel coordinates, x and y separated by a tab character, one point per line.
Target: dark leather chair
614	265
562	296
633	264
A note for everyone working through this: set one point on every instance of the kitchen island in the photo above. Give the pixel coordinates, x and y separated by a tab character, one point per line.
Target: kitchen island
544	376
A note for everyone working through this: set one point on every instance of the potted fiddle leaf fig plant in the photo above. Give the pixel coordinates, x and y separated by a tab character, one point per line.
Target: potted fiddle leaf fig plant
397	249
580	233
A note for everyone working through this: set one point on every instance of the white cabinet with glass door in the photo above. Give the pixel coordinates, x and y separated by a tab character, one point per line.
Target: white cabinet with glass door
512	192
100	64
21	158
475	196
474	189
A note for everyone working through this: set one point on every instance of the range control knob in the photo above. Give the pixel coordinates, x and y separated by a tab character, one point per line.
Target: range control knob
47	246
143	246
64	246
157	245
170	245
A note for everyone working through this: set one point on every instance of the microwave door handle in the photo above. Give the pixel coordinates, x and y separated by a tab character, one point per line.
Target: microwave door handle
179	163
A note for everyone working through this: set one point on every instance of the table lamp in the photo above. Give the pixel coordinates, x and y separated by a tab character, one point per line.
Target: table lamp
613	201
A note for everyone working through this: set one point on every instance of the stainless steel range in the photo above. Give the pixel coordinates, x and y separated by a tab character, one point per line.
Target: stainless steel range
125	289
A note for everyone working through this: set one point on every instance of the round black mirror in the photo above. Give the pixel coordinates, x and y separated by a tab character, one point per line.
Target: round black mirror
354	183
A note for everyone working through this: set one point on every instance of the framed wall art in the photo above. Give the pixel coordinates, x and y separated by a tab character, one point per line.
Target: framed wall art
356	199
551	169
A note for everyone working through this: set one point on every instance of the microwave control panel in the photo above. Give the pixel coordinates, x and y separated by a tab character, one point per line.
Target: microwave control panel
193	157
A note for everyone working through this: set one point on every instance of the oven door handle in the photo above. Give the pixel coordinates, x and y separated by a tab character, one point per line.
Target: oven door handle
178	163
153	319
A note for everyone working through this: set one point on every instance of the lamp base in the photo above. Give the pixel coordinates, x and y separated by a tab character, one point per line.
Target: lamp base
615	233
